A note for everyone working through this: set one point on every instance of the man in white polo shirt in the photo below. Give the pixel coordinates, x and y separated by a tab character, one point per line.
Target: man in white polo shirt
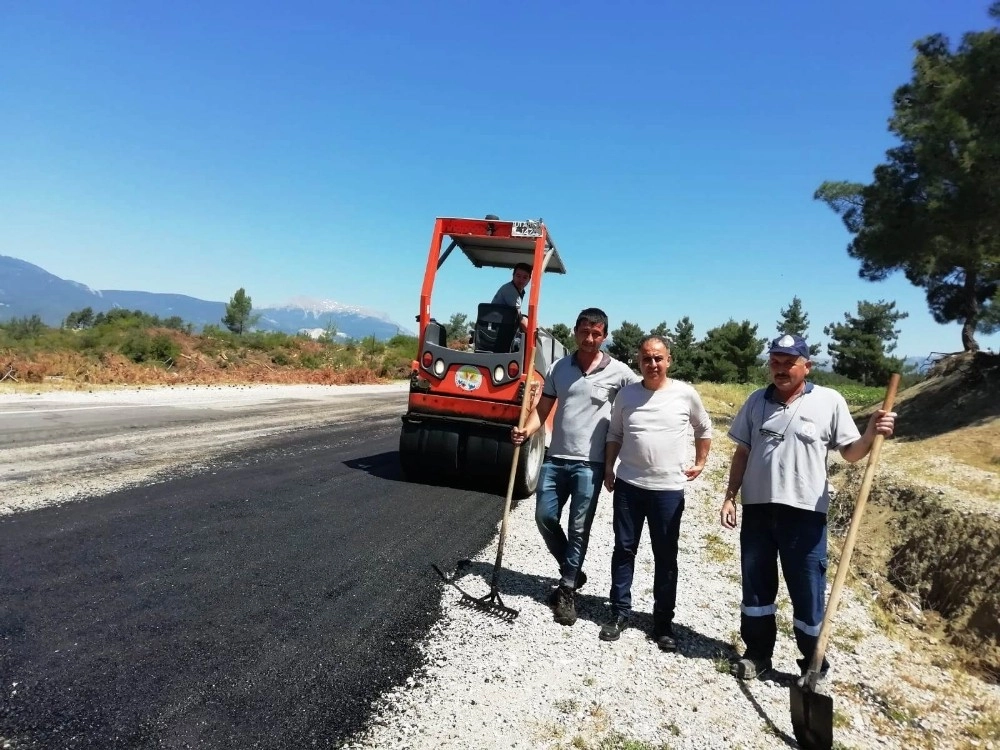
782	434
585	384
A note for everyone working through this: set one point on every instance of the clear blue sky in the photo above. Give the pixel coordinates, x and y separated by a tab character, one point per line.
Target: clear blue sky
304	149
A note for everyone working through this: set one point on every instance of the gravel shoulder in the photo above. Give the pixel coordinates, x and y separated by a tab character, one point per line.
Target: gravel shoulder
535	684
93	461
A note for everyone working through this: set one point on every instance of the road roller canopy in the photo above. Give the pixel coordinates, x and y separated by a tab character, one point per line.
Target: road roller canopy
492	243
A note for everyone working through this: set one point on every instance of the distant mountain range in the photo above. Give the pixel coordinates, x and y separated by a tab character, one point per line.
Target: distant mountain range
26	290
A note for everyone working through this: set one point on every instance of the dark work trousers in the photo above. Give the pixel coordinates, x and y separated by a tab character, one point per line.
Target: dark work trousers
663	509
796	537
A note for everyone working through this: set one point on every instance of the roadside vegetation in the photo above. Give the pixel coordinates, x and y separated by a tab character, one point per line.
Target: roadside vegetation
129	347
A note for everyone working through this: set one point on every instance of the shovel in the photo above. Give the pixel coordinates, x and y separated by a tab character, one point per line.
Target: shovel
492	604
812	713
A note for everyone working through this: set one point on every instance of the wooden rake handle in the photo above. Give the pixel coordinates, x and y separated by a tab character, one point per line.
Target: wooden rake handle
529	371
852	534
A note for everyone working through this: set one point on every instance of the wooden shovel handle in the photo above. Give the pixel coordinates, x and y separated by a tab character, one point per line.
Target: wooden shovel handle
852	533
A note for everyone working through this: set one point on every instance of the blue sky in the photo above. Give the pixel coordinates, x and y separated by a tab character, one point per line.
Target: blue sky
304	149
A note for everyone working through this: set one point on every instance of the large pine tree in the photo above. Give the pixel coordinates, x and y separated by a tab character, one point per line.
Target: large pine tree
933	209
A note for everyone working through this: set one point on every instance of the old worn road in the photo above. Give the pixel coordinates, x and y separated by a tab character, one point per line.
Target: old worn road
261	597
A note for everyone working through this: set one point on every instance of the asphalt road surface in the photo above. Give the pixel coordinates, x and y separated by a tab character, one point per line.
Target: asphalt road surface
261	596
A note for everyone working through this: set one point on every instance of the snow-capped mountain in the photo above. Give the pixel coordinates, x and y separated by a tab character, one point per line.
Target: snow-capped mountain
307	315
27	289
323	306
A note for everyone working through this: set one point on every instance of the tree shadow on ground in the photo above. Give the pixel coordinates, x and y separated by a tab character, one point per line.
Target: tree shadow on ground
474	577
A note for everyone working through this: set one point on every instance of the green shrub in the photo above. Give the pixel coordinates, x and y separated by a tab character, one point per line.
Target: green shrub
21	329
311	361
860	396
164	349
344	358
140	347
267	340
402	347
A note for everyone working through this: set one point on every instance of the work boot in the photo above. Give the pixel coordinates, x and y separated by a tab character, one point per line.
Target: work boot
564	606
612	631
749	668
581	578
804	667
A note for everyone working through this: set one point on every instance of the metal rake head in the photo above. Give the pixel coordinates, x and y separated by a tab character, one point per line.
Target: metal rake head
490	604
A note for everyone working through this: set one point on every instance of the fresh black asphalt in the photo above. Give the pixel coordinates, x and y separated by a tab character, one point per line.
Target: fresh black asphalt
262	601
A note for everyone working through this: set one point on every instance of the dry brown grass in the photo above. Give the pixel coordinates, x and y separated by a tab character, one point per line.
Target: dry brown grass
75	371
966	460
723	400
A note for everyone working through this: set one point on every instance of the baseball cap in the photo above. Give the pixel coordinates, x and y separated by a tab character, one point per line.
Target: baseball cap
789	344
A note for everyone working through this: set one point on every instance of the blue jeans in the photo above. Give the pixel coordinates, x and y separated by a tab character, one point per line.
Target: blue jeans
663	509
579	482
797	537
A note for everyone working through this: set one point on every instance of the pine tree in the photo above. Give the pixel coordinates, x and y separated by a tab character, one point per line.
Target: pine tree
625	344
238	316
795	321
731	353
684	353
861	344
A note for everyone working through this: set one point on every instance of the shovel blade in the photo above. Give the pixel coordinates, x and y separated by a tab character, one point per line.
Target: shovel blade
812	718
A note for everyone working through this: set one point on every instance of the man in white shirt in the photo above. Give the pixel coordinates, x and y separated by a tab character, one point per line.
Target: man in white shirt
651	423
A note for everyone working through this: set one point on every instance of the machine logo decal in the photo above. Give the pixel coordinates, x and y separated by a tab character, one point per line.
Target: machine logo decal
468	378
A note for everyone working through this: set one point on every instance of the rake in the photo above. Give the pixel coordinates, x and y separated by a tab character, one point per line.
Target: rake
492	603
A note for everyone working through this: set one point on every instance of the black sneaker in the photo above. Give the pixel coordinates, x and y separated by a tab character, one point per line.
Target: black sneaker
747	668
564	606
612	631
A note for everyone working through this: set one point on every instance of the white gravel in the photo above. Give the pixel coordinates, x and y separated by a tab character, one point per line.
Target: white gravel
222	395
535	684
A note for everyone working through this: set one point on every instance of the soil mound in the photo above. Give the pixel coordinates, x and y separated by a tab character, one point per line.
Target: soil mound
961	390
943	558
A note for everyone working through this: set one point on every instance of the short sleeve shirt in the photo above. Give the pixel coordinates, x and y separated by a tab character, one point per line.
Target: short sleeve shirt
508	295
583	408
789	445
653	429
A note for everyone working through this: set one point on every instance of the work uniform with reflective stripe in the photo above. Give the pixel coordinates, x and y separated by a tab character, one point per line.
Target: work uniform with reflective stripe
785	494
